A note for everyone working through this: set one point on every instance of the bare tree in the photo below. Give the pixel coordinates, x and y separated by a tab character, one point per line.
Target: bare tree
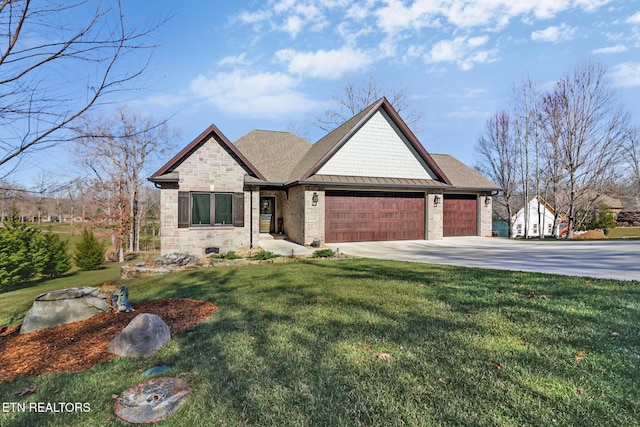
632	157
58	60
356	96
117	150
498	160
591	128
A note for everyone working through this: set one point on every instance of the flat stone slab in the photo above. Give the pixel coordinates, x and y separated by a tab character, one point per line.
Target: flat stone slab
64	306
151	401
142	337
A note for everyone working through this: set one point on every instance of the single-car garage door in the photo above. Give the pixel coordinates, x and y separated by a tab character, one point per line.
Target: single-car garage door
459	215
353	216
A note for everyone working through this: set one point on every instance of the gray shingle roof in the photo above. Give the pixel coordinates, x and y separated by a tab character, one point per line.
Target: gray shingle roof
273	153
461	175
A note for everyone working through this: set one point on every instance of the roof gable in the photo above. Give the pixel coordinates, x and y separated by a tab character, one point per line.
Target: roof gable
377	149
326	148
212	132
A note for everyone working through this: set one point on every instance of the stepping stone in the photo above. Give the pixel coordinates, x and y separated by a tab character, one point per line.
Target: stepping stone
151	401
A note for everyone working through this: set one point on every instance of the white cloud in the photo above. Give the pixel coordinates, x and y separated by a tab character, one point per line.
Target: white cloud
554	34
633	19
461	50
234	60
611	49
328	64
257	95
626	74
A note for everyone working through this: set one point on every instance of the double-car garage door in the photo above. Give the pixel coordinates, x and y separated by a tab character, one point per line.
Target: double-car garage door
360	216
353	216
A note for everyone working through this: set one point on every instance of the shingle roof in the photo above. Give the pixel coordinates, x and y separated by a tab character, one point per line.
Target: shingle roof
461	175
275	154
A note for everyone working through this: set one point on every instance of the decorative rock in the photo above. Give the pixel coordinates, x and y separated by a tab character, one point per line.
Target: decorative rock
120	300
156	370
151	401
133	272
142	337
63	306
176	259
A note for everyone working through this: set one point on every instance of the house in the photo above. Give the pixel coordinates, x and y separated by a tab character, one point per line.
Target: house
368	180
541	220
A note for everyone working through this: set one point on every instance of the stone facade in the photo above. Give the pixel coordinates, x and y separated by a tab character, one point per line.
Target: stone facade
210	169
313	216
485	217
434	217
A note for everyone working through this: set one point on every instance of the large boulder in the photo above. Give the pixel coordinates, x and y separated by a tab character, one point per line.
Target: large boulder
142	337
64	306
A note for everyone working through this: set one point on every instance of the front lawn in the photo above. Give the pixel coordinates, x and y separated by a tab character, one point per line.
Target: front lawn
363	342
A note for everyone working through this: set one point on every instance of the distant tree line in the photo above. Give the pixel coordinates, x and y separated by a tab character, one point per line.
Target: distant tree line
569	143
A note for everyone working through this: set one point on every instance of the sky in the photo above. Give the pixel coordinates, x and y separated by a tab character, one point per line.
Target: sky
277	64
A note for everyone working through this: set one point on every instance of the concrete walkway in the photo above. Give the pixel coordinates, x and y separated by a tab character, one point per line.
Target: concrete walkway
602	259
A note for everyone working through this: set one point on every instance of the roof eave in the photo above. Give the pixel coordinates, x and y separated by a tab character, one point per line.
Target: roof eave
211	131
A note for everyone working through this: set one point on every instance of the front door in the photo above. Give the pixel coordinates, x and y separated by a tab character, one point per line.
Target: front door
267	214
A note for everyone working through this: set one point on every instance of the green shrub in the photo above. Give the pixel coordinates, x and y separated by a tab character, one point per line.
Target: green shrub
264	255
52	258
323	253
17	243
89	253
231	255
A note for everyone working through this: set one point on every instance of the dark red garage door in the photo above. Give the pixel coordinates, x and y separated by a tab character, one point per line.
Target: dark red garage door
459	215
352	216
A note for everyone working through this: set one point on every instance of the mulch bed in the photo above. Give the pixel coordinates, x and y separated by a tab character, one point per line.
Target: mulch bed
80	345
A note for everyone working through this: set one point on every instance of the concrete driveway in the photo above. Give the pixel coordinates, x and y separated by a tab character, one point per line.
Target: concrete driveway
604	259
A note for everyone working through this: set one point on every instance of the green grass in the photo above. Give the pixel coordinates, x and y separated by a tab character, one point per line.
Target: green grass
619	232
296	344
16	300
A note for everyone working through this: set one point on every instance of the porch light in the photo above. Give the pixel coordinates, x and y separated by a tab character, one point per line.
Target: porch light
436	200
314	199
487	200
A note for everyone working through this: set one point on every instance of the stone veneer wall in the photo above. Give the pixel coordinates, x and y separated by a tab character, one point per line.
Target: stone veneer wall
434	217
293	213
485	217
313	216
209	169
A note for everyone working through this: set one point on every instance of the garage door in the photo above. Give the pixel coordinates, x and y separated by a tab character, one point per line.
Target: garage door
371	216
459	215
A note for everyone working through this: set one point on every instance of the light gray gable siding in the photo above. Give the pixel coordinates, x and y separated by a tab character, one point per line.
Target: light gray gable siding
378	149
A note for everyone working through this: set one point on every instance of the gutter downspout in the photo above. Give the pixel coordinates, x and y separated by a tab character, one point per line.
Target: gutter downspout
251	219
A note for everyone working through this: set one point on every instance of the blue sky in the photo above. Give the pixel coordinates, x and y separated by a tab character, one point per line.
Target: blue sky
276	64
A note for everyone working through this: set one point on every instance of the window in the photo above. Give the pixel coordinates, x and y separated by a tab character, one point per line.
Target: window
223	209
535	229
210	209
200	209
518	229
550	229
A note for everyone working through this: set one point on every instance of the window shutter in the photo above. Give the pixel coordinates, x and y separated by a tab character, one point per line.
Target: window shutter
238	209
184	199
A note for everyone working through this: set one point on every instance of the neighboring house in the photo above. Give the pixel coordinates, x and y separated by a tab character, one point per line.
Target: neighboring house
541	220
368	180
